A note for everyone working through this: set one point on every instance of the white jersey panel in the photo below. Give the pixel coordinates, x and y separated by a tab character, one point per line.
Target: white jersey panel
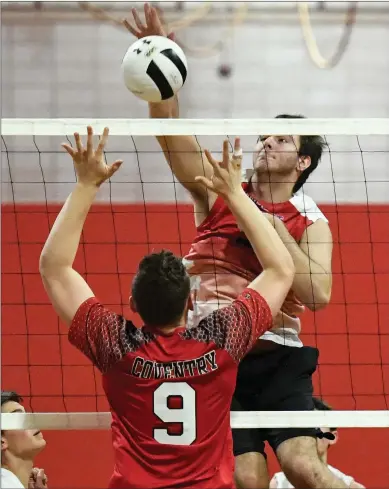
9	480
307	206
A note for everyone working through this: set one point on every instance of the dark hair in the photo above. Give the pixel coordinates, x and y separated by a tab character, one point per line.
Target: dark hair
10	396
161	288
311	146
320	405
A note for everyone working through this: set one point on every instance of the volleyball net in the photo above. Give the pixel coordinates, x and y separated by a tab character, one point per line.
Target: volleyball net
143	208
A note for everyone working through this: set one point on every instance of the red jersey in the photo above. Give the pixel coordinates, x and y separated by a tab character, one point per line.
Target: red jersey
170	393
224	263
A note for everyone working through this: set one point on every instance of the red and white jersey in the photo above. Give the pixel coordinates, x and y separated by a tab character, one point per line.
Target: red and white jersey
281	482
170	393
222	262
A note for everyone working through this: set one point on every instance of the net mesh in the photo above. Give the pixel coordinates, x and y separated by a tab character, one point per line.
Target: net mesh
143	208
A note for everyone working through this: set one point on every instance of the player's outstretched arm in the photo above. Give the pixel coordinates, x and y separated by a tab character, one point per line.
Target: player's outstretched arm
183	153
278	268
66	289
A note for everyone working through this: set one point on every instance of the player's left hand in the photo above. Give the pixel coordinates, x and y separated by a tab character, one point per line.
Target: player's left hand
38	479
90	164
227	174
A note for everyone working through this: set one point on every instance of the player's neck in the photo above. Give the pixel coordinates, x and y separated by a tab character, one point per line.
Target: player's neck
275	192
21	468
170	328
323	458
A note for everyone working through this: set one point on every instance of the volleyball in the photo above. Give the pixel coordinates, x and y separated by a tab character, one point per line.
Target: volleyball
154	68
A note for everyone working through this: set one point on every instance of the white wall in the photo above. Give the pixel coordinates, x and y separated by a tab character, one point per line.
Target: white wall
73	70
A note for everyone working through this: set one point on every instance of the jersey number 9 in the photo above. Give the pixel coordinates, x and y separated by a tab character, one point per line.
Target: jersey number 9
185	415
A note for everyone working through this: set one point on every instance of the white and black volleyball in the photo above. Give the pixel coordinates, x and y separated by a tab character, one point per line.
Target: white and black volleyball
154	68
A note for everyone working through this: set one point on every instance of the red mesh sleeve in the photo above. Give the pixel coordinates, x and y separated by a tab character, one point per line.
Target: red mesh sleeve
99	334
244	321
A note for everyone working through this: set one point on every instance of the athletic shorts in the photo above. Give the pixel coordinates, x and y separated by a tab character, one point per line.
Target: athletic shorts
275	380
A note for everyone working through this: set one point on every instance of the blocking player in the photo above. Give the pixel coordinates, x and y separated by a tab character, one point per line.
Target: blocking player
18	450
169	387
278	376
326	438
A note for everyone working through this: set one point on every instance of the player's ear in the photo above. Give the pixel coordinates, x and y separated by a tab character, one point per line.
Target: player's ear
132	305
4	443
303	163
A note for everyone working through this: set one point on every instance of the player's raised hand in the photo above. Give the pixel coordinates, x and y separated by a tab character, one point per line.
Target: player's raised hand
151	27
89	163
227	174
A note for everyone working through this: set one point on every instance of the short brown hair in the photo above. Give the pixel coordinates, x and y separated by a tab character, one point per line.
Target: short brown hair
161	288
311	146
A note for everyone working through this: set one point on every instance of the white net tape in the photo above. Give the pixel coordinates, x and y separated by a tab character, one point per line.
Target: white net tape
248	419
200	127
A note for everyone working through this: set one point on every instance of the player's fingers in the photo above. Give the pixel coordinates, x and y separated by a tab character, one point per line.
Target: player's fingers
226	153
155	22
129	27
102	142
69	149
38	478
212	161
44	478
206	182
137	20
89	141
237	148
238	152
172	36
148	14
114	167
77	139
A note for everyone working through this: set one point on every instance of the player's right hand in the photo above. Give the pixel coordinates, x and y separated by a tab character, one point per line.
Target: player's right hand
152	26
89	164
227	174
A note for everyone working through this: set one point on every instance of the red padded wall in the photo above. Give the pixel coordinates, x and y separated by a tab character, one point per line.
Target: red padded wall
352	333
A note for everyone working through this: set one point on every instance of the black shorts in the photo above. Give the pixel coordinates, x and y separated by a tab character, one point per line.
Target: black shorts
276	380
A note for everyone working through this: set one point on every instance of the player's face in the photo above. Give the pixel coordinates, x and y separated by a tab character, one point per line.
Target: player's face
276	154
24	444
